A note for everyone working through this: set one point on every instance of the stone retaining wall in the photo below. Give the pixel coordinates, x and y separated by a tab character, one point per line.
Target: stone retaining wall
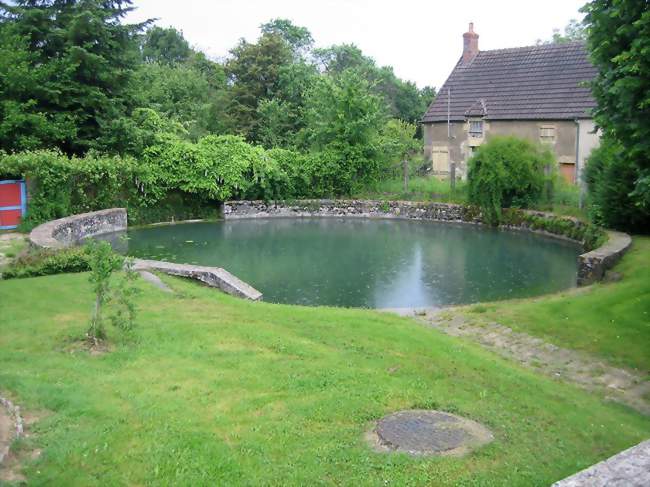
591	265
69	231
630	468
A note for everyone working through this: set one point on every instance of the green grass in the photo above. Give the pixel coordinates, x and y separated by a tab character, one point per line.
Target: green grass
219	391
607	320
565	200
420	188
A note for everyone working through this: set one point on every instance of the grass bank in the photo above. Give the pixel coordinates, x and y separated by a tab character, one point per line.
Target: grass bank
564	202
610	320
217	390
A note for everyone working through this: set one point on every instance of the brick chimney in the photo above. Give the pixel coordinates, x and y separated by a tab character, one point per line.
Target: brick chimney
470	44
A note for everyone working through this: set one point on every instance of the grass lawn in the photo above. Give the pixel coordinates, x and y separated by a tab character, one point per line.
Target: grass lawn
608	320
215	390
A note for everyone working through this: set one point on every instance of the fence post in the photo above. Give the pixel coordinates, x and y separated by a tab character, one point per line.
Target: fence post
405	168
452	176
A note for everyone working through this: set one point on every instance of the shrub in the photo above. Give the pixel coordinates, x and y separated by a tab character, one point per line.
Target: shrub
507	172
48	262
612	179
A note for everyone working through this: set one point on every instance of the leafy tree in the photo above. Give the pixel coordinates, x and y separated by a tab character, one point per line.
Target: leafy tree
343	118
298	38
573	31
507	172
89	56
165	46
402	98
610	177
397	140
254	73
177	92
619	41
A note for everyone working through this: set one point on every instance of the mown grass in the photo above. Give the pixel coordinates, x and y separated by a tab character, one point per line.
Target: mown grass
214	390
607	320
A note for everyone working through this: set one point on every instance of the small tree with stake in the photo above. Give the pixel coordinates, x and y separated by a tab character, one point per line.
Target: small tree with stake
103	262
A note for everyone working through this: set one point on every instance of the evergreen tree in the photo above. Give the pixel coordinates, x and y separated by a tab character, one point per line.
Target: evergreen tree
89	57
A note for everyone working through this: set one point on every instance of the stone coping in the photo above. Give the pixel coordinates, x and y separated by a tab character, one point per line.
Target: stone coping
630	468
591	265
69	231
212	276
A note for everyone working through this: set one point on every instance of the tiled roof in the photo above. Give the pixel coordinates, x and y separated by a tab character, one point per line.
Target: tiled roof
544	82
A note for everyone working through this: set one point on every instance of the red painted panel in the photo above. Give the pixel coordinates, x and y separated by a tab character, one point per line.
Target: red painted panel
10	194
9	217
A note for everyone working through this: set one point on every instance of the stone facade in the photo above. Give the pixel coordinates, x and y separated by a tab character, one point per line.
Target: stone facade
571	143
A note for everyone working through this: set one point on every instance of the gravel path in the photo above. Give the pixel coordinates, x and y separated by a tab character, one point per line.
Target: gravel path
589	373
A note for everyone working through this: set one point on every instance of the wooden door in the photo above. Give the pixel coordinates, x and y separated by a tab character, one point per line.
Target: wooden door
440	160
13	203
568	172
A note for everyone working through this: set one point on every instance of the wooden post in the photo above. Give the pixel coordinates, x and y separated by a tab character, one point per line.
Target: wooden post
452	176
405	167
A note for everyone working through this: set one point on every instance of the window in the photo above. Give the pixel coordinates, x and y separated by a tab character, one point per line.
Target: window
476	128
547	134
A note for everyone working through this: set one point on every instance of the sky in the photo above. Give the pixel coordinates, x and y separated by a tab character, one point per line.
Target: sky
421	39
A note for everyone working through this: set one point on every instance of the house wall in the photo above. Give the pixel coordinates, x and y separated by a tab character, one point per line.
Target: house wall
461	145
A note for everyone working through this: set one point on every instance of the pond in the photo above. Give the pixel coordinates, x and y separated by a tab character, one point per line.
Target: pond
368	262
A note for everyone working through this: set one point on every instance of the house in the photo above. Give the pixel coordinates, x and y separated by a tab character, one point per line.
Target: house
536	92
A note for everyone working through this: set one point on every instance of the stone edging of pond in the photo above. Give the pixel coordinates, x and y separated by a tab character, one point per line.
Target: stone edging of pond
13	412
631	467
591	265
69	231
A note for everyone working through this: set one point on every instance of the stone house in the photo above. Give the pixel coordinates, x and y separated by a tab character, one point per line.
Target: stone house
536	92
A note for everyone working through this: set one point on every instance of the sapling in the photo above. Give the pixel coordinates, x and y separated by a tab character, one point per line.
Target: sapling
103	262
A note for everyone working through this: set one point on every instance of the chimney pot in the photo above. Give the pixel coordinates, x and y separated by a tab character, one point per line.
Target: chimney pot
470	44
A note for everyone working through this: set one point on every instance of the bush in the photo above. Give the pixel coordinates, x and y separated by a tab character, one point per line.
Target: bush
507	172
48	262
612	179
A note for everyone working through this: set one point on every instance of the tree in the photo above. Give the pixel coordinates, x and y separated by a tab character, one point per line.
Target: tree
89	56
573	31
507	172
254	73
298	38
165	46
619	41
403	99
343	119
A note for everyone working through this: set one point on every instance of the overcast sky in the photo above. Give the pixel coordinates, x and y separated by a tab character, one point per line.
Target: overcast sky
421	39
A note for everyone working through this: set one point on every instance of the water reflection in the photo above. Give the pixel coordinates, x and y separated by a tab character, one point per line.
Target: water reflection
369	263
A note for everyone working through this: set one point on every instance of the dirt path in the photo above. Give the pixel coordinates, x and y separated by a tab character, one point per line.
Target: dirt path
595	375
7	241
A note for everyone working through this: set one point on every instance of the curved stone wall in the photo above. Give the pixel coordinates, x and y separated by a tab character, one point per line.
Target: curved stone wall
69	231
591	265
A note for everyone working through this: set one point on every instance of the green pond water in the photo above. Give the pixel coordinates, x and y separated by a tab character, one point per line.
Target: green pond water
365	262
